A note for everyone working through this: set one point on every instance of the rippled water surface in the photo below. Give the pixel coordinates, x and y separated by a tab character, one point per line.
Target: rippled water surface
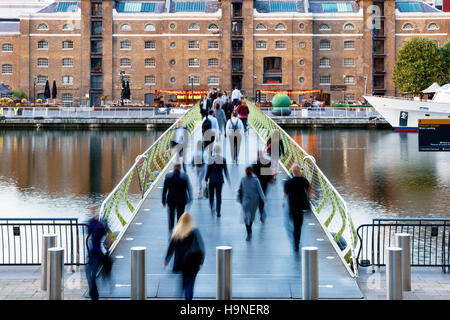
380	173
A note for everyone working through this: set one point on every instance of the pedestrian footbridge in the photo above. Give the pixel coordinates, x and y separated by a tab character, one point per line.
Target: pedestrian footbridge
266	266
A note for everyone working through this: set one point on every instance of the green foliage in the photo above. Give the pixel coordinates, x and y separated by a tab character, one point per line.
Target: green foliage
19	94
445	56
418	65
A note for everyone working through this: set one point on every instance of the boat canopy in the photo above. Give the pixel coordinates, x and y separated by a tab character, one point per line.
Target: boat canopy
432	89
442	94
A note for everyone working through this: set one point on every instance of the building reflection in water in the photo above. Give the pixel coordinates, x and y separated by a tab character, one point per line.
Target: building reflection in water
56	173
380	173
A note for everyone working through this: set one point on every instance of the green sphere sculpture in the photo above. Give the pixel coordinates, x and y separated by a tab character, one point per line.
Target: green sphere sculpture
281	105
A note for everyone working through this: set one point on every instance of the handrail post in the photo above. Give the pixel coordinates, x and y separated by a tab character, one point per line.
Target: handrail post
403	240
48	241
55	273
138	291
223	273
394	274
310	273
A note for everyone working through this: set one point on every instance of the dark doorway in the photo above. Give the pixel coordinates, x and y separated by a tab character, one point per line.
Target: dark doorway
236	82
149	99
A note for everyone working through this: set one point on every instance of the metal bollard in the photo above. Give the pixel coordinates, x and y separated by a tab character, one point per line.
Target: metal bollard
138	291
48	241
394	273
403	240
223	273
310	273
55	258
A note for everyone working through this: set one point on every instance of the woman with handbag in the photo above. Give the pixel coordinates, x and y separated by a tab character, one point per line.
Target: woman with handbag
189	249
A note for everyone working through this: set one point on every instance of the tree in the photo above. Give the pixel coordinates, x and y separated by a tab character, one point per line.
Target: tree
418	65
445	56
19	94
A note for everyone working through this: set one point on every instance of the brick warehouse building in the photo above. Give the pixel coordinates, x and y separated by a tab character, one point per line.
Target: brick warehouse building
344	48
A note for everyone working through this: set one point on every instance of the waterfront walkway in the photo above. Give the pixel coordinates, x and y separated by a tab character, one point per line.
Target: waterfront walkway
265	267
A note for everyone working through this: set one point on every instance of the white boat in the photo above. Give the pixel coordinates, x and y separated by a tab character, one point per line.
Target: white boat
403	114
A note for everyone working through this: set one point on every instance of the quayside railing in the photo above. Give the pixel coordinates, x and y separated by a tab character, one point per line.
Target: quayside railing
328	205
430	241
121	205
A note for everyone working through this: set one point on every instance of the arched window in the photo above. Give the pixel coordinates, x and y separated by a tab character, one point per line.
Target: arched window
407	26
324	27
325	45
42	26
67	27
7	47
324	63
149	27
125	45
349	26
68	44
261	27
194	26
433	26
42	44
42	62
213	27
125	27
125	62
150	63
280	26
67	80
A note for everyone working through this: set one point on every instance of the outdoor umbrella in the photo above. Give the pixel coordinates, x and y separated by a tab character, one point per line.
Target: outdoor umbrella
4	90
128	92
47	90
54	90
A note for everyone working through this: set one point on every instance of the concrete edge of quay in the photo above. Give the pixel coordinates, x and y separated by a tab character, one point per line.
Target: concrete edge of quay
165	122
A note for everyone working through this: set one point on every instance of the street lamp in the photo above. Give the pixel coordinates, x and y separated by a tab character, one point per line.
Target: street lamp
34	89
365	84
122	74
191	79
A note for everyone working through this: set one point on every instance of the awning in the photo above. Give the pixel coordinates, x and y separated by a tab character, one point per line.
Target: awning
432	89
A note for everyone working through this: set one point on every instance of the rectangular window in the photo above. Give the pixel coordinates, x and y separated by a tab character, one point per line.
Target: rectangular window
149	80
67	80
42	45
7	69
213	80
324	63
349	62
272	79
96	28
196	80
272	64
349	97
261	45
150	63
194	44
96	82
96	10
213	62
41	80
149	45
42	62
125	45
96	64
349	80
280	44
325	80
350	44
325	45
194	62
7	47
67	62
96	46
236	64
212	45
67	97
67	45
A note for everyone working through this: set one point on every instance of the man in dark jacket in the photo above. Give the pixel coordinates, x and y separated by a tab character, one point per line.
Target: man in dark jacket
217	167
177	192
227	108
262	169
298	191
205	106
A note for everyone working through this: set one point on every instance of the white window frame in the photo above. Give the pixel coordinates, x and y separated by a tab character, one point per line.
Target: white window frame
214	65
328	65
435	24
325	83
41	77
150	43
280	26
213	48
64	97
7	46
42	27
349	41
261	26
43	42
300	45
149	83
125	27
213	83
347	80
261	47
67	83
150	62
67	27
69	44
213	27
196	80
324	41
123	43
349	60
349	27
404	27
67	65
40	65
324	27
194	45
194	63
193	27
149	27
280	42
125	59
351	94
7	69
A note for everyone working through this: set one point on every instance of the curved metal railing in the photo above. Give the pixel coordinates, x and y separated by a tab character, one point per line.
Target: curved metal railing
124	201
328	205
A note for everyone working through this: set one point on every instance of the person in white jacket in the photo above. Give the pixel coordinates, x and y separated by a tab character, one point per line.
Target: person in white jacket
235	132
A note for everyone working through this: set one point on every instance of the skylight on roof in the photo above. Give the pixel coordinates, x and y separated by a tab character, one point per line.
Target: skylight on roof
337	7
283	6
135	6
409	7
190	6
67	7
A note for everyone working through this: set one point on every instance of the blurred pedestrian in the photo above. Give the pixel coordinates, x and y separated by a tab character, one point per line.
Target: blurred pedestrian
177	192
235	96
218	101
224	97
198	162
96	231
227	108
205	105
275	150
209	130
235	132
262	170
187	244
221	119
298	192
217	167
249	195
179	142
243	111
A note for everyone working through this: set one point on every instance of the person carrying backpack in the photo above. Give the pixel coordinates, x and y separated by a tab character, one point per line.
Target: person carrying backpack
235	132
187	244
209	127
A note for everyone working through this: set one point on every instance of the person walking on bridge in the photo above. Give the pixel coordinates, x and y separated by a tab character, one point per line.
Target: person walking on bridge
177	192
198	162
235	132
217	167
187	244
298	192
179	142
249	195
243	111
221	119
263	171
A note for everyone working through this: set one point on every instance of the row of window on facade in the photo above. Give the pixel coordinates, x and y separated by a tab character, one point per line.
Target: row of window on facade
301	26
324	44
324	80
409	26
194	44
172	26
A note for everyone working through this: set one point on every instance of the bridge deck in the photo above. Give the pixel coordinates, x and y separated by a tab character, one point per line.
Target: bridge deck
265	267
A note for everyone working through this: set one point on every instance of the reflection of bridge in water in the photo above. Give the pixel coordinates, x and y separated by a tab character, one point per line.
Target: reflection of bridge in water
266	266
